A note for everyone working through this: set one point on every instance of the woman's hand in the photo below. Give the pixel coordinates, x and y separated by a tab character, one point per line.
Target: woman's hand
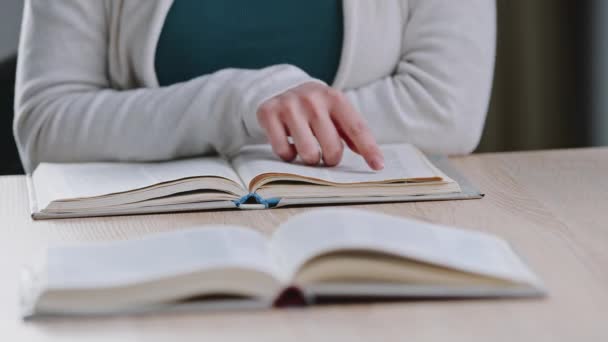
316	115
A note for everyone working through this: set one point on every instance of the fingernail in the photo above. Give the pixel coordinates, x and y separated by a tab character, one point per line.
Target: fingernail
377	163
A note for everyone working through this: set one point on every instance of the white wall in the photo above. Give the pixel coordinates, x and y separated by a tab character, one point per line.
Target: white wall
10	21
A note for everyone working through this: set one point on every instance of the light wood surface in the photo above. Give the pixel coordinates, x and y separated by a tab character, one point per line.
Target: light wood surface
552	206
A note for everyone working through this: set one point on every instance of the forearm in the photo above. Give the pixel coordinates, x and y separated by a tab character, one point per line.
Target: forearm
438	96
73	122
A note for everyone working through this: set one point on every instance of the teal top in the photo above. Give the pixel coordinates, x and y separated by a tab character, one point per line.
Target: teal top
200	37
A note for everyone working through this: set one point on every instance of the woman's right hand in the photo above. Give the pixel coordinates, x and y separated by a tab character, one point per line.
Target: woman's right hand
317	116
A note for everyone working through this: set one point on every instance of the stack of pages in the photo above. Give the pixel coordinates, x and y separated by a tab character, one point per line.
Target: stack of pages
256	178
318	256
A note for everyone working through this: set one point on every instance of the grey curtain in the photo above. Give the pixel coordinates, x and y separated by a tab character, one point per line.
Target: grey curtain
539	94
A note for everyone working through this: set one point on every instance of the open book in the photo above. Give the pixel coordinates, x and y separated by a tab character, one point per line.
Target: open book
315	256
256	178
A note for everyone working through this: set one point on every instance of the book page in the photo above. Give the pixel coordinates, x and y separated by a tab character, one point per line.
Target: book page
69	181
319	232
402	162
159	256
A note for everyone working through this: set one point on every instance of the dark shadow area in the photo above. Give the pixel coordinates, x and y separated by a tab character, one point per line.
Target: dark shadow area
10	163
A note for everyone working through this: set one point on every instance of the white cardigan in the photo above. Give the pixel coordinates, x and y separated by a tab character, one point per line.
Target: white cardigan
420	71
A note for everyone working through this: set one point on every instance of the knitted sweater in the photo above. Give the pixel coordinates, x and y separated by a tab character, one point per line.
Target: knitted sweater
420	71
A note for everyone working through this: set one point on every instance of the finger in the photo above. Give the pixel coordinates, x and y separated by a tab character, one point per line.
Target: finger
346	139
355	130
306	144
277	136
268	117
327	136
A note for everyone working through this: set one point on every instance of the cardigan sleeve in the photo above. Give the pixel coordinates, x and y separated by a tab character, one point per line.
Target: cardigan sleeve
66	109
438	96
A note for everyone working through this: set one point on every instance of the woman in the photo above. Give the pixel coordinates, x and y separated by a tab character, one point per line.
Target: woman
142	80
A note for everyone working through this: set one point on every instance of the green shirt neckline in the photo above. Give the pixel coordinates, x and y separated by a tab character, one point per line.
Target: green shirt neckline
205	36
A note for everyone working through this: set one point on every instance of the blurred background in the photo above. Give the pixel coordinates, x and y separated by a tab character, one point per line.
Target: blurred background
551	77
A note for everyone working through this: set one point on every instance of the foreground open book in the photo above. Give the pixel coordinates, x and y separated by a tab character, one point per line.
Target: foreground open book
256	178
312	257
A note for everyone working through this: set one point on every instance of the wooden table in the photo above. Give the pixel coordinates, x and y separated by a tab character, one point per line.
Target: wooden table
552	206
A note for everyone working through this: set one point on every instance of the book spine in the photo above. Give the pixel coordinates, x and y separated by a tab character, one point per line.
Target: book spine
255	201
